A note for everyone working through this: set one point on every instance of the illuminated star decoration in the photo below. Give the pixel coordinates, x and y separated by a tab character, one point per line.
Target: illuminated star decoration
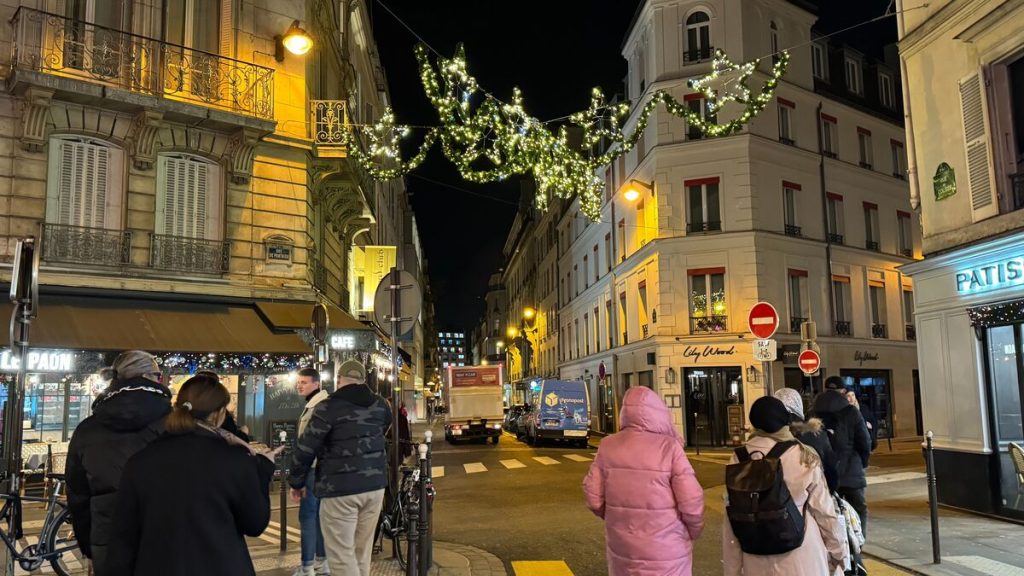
489	140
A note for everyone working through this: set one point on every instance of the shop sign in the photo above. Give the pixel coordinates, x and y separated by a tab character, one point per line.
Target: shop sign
863	356
345	340
378	263
696	352
39	361
1002	274
789	354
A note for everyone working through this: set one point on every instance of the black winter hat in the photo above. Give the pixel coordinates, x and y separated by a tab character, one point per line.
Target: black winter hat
769	414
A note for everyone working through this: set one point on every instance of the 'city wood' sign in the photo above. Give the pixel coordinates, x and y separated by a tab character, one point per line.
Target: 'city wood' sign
862	357
1002	274
697	353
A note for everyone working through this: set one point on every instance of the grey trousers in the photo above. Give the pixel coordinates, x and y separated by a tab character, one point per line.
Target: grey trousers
348	523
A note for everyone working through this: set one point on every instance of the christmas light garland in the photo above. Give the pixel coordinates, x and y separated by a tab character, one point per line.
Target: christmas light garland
489	140
190	363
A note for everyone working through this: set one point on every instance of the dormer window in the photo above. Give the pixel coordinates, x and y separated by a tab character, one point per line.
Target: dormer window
854	77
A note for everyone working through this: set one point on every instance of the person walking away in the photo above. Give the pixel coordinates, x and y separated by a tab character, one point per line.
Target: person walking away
822	550
870	420
810	431
644	488
189	499
313	555
126	417
346	438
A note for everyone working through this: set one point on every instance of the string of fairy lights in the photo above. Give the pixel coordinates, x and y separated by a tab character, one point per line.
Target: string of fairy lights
490	140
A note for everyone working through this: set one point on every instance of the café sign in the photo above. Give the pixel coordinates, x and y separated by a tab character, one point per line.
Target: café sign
38	361
1001	274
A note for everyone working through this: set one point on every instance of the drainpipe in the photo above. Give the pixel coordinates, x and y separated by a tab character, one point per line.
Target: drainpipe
908	119
824	214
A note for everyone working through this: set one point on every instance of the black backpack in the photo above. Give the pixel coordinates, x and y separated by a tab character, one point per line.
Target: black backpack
761	510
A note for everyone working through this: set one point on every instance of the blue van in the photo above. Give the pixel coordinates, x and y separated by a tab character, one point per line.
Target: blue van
561	412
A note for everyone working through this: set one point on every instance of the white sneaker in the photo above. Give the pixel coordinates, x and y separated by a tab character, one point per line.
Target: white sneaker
321	567
303	571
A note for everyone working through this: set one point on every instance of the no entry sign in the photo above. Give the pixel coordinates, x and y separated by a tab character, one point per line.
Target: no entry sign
809	361
763	320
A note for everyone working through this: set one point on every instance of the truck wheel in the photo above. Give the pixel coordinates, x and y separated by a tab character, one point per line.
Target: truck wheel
495	439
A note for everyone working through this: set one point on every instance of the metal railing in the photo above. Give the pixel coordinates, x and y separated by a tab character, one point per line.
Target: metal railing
1017	182
911	332
844	328
70	48
698	55
189	254
795	322
879	331
81	245
872	245
907	252
708	324
792	230
645	330
835	238
329	121
711	226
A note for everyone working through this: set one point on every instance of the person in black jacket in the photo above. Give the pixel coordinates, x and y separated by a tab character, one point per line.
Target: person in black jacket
229	420
811	432
869	417
189	499
346	437
126	417
852	444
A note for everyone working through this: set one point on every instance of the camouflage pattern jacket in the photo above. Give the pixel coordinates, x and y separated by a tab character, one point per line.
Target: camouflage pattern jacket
346	437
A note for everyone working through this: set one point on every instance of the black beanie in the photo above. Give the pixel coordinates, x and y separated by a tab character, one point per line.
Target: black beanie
769	414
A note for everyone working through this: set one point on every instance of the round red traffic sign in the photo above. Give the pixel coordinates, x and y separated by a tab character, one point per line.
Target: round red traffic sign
809	361
763	320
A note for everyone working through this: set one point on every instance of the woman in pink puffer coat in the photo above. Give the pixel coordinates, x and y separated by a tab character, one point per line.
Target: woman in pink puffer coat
644	488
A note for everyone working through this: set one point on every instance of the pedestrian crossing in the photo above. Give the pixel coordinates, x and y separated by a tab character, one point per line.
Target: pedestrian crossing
509	464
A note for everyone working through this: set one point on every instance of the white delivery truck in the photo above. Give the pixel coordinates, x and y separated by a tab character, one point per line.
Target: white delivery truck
476	406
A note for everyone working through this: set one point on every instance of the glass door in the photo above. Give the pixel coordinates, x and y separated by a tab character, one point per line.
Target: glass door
1004	351
874	392
709	393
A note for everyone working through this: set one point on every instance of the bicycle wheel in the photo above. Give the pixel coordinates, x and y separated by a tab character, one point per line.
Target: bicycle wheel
60	536
396	548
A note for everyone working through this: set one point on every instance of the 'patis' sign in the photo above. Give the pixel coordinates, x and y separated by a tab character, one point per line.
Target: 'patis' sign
1002	274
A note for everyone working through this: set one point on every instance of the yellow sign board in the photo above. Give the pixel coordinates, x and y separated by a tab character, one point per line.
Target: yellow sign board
378	263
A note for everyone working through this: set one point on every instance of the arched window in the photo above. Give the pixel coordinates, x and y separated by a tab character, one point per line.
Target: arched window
774	40
698	37
85	184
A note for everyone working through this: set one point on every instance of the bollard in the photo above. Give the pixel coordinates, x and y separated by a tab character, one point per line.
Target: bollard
424	567
413	534
933	498
284	513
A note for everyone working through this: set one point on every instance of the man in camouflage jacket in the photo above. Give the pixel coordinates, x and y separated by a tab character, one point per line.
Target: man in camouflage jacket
346	437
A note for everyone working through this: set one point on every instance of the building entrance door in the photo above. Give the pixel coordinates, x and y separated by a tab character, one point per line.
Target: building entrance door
708	393
607	406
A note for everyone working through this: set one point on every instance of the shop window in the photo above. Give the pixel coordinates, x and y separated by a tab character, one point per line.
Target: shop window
1004	345
873	389
704	210
713	405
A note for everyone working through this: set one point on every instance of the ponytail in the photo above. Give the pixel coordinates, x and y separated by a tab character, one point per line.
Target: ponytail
199	397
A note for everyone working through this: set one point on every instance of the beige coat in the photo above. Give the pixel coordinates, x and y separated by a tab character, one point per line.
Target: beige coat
824	545
307	412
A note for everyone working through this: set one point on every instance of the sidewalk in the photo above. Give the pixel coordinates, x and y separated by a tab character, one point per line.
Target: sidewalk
449	560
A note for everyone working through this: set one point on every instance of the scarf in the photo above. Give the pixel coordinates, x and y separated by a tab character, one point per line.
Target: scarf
808	456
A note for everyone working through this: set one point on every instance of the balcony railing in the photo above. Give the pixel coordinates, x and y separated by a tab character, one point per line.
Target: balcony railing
879	331
872	245
792	230
698	55
189	254
708	324
844	328
78	245
645	330
695	227
69	48
911	332
835	238
795	323
329	121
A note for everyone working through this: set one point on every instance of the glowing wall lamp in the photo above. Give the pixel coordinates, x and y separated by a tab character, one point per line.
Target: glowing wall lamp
633	189
295	39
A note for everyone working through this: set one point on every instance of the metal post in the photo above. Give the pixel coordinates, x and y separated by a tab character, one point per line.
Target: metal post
766	375
284	511
413	534
429	550
933	498
424	565
396	325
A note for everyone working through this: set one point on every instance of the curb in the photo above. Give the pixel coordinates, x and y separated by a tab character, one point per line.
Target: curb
892	564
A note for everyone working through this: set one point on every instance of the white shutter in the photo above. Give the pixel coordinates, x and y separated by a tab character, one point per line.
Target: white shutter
979	177
186	190
227	14
82	180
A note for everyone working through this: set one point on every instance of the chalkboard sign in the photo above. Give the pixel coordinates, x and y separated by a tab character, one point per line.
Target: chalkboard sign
283	433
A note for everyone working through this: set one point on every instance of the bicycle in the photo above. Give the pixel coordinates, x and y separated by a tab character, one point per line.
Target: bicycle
394	520
57	543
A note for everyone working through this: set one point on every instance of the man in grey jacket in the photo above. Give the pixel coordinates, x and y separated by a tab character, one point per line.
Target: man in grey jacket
346	437
313	553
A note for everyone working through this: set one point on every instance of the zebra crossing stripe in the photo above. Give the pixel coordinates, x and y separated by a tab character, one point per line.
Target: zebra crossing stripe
437	471
545	460
512	464
541	568
577	458
474	467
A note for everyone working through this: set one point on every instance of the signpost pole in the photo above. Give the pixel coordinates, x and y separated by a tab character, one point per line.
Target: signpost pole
394	282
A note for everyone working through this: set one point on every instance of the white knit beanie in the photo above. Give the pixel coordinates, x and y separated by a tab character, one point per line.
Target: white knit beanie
791	398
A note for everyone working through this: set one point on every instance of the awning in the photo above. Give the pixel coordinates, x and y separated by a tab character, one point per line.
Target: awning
293	316
97	323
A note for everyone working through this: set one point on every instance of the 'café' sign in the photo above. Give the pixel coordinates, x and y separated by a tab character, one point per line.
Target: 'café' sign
697	353
38	361
1002	274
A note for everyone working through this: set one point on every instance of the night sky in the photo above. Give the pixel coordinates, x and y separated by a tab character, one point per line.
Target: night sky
555	51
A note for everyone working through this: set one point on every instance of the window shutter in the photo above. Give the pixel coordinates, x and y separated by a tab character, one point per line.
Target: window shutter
82	183
227	22
972	104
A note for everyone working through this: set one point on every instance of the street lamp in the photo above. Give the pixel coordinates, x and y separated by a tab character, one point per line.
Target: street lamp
513	332
632	193
295	39
529	313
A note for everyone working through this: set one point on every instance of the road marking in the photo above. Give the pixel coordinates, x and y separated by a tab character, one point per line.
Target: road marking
540	568
876	568
578	458
545	460
474	467
291	529
895	477
437	471
511	464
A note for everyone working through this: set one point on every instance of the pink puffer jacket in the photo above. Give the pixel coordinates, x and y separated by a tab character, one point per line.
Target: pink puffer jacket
644	487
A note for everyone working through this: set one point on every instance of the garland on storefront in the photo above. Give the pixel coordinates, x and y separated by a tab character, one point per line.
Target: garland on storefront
489	140
190	363
996	314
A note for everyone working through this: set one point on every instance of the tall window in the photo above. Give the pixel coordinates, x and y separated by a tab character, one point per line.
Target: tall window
876	294
575	280
642	316
188	200
829	135
843	305
871	232
641	224
196	25
608	252
597	267
786	109
608	323
886	92
586	333
623	325
864	146
836	227
904	230
908	314
899	162
707	300
698	38
773	41
622	239
597	331
586	273
854	79
699	107
704	213
85	183
789	208
799	306
819	63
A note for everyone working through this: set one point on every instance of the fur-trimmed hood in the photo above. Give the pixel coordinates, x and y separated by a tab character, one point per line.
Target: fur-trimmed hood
811	426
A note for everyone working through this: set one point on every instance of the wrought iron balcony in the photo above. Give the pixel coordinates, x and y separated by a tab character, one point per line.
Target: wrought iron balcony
911	332
645	330
69	48
834	238
698	55
792	230
329	121
872	245
78	245
795	322
696	227
879	331
708	324
844	328
189	254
